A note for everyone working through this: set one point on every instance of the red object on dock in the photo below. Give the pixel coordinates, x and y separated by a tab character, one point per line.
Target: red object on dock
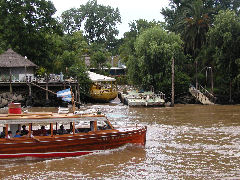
14	108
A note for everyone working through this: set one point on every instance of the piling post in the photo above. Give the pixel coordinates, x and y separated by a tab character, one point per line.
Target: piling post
78	91
30	90
10	80
46	87
75	89
172	101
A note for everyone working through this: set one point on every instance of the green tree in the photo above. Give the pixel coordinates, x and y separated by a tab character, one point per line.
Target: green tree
25	26
127	49
71	20
99	22
192	21
154	50
178	9
99	60
224	39
70	51
79	72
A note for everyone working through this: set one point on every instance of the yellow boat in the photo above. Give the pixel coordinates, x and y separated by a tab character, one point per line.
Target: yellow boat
103	89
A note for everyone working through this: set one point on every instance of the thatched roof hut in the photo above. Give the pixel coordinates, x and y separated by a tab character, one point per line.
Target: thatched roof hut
10	59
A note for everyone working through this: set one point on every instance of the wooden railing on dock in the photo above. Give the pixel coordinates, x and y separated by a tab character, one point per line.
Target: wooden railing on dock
202	95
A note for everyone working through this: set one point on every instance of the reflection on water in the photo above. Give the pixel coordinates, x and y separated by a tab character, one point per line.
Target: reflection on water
186	142
100	164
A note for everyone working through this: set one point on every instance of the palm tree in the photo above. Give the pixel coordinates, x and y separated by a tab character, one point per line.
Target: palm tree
196	23
193	24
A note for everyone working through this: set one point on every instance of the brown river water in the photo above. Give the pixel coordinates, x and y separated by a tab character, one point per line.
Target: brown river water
184	142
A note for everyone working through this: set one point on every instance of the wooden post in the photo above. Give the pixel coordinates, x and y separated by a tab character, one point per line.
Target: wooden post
230	91
64	84
196	75
78	91
73	102
75	89
30	129
10	80
73	128
30	90
172	101
51	127
6	130
95	125
46	87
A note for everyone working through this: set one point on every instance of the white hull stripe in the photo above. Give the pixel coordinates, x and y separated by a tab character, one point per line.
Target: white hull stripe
49	153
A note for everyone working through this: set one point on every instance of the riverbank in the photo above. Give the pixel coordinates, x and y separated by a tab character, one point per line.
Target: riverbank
40	98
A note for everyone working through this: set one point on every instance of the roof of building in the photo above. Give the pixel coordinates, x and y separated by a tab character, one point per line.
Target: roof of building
13	59
99	78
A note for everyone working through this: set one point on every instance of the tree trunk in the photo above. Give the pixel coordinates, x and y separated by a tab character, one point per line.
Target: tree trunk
230	91
172	101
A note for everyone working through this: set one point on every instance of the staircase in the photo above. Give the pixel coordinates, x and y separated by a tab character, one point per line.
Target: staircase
202	95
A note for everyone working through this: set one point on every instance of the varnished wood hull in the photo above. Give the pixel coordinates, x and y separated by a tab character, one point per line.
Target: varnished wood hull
70	145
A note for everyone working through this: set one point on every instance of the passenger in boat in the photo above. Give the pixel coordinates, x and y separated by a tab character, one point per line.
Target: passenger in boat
43	131
9	135
3	133
32	136
24	131
17	134
62	130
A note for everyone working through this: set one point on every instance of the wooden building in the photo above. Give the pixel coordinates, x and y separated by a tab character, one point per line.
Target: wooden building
15	66
17	77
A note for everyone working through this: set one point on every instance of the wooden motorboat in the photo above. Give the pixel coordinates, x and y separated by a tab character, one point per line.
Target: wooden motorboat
87	133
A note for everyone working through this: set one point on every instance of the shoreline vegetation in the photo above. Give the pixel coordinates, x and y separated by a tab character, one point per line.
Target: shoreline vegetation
201	37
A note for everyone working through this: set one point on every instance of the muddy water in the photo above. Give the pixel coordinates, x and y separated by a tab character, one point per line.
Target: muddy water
184	142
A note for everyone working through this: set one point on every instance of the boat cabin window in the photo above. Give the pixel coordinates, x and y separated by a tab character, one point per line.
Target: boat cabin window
50	129
103	125
2	132
86	126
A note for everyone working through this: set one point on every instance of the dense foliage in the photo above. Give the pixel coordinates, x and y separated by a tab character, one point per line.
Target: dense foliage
201	35
209	31
27	26
99	22
224	39
155	49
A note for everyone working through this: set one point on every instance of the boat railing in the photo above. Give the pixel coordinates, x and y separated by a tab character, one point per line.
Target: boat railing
160	95
209	95
202	93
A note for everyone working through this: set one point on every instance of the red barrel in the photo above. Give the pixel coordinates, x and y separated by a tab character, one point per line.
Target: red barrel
14	108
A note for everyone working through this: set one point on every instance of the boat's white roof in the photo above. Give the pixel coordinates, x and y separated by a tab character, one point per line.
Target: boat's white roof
49	119
99	78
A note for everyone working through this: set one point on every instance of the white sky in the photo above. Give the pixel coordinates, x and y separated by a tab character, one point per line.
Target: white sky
129	9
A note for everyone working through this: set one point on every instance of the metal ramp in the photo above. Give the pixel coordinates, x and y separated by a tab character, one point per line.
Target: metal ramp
202	95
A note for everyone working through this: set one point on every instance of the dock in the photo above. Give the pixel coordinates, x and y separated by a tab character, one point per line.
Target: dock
148	98
38	90
202	95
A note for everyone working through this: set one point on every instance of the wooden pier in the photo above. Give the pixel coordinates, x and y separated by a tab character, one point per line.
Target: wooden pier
46	89
202	95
